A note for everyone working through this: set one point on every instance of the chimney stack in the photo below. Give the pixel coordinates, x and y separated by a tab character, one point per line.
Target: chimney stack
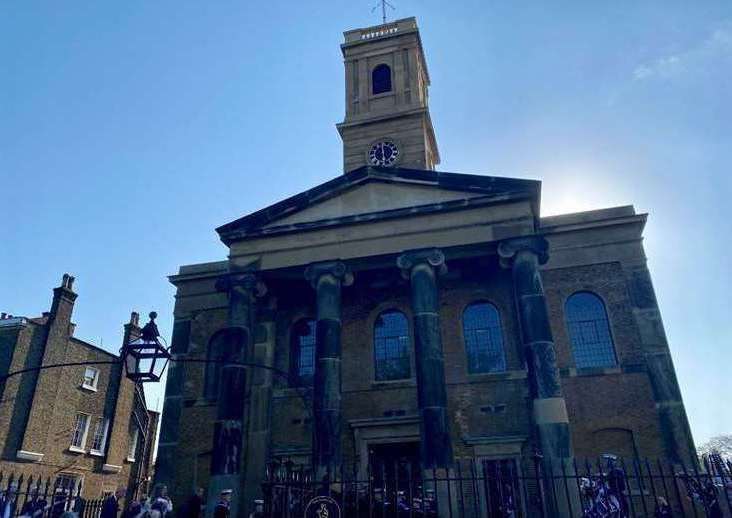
63	303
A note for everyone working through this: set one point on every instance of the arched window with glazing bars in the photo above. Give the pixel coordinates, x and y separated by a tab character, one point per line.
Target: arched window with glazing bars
392	359
302	351
483	338
589	331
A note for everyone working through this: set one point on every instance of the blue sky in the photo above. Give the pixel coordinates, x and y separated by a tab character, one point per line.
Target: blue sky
129	130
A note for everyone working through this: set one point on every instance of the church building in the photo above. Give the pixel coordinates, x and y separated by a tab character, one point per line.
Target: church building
400	312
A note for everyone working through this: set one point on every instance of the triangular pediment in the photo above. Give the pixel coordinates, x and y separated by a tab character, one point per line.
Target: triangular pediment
373	193
371	198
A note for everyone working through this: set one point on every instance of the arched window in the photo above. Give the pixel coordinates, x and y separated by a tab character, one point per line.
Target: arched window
391	347
302	350
589	331
483	338
381	79
224	346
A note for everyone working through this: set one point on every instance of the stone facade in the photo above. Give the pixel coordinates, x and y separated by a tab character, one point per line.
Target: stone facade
428	245
38	418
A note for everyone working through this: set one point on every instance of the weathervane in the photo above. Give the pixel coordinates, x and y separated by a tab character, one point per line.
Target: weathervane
383	4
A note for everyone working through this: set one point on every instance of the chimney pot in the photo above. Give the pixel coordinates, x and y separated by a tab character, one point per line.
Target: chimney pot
71	281
135	318
65	280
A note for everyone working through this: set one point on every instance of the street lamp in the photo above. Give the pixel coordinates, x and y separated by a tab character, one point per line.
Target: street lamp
146	357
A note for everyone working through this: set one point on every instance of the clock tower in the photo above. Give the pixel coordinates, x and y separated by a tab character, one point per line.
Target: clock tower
387	119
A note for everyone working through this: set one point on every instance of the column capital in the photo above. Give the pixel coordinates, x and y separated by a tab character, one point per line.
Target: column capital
248	281
509	249
431	256
338	269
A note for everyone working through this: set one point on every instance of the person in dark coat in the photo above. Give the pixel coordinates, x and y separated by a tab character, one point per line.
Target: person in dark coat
110	507
35	506
222	509
193	508
9	502
161	504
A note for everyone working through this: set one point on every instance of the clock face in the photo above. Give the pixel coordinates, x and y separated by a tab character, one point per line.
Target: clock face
383	153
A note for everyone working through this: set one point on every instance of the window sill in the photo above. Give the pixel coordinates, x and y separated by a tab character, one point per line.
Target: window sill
130	460
590	371
390	93
407	382
285	392
76	449
498	375
29	456
96	453
88	387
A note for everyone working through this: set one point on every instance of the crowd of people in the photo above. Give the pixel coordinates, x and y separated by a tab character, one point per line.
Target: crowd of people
61	504
161	506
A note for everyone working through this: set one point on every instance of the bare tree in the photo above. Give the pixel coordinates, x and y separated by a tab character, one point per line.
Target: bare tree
719	444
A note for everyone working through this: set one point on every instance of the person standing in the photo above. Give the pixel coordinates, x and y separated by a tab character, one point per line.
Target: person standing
161	504
35	507
193	508
144	507
110	507
258	509
9	501
222	509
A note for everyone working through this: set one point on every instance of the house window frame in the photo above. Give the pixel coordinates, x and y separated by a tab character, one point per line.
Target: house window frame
93	386
134	440
80	448
104	422
75	478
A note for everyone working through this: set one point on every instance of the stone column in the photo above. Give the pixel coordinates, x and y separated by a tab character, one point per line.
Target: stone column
422	268
229	439
327	279
524	255
259	407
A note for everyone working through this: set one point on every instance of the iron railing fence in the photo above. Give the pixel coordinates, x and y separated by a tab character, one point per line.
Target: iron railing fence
605	487
44	497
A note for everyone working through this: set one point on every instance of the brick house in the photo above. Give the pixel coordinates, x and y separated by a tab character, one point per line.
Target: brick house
85	423
409	312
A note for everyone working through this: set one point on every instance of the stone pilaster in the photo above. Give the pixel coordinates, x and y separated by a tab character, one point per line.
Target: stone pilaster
676	434
422	268
172	408
327	279
523	256
229	442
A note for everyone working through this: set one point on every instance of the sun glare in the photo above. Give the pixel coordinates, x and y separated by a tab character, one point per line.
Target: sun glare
577	191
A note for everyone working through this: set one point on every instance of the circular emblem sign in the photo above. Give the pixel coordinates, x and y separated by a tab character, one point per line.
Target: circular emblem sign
322	507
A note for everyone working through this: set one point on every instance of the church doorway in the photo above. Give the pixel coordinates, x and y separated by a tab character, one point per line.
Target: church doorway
394	462
395	473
